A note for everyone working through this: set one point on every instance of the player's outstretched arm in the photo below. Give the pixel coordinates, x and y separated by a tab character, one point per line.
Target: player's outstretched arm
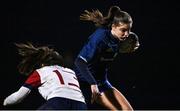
17	96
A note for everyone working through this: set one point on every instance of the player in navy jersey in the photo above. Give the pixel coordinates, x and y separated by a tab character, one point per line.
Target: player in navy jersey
112	36
56	84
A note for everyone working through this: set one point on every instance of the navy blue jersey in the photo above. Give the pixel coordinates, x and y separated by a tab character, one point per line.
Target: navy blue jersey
99	51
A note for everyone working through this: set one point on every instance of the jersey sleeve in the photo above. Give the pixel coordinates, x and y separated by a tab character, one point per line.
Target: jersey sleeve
33	80
83	68
90	48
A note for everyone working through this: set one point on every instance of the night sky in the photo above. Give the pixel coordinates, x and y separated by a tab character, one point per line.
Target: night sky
148	78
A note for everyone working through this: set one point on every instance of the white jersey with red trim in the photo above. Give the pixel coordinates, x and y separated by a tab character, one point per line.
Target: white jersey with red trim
56	81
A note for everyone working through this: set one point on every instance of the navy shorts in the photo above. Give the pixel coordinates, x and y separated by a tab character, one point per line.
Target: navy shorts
58	103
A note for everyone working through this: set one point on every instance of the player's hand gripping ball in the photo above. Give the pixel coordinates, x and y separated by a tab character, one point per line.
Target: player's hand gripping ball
130	44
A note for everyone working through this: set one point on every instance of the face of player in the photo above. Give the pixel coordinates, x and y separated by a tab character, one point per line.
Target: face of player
121	31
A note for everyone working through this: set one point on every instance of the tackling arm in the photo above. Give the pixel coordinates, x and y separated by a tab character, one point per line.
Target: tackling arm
17	96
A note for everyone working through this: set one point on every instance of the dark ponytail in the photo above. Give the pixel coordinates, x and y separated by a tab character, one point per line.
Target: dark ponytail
33	57
115	16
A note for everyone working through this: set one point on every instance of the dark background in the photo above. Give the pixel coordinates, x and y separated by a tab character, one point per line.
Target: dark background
148	78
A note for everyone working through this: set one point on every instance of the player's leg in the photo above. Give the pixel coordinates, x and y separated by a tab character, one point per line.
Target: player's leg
86	90
114	99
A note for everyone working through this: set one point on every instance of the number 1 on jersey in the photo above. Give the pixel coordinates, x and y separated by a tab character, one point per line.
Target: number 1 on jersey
62	80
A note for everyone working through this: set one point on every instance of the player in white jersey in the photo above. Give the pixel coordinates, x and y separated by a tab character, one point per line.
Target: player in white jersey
57	84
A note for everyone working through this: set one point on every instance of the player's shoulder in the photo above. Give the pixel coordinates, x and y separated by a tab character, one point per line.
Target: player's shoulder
68	70
99	34
48	68
42	70
102	30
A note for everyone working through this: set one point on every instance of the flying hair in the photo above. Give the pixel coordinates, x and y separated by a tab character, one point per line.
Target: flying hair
33	57
114	16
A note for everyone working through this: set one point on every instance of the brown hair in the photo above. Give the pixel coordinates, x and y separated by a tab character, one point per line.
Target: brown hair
115	16
33	57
